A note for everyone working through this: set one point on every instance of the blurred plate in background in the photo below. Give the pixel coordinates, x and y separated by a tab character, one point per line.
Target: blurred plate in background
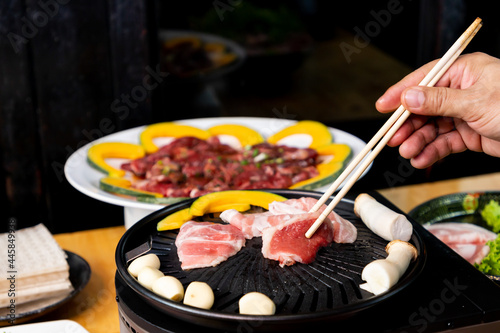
463	207
457	207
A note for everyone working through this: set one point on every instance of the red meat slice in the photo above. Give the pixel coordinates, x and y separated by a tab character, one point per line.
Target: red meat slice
189	166
252	225
206	244
345	231
288	244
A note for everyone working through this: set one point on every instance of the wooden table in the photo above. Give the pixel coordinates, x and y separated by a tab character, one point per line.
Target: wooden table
408	197
95	307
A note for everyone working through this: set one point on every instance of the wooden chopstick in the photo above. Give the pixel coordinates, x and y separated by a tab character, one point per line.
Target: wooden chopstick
362	161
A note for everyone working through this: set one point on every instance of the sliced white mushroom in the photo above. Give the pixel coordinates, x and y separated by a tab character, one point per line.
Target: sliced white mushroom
169	287
199	294
382	274
383	221
148	275
148	260
255	303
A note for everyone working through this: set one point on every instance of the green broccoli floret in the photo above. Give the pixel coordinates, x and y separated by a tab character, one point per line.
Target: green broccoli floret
491	214
491	263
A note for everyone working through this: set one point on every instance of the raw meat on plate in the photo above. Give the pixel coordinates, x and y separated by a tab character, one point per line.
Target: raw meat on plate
466	239
206	244
191	167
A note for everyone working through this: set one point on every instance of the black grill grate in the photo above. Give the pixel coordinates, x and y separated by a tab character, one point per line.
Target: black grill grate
327	287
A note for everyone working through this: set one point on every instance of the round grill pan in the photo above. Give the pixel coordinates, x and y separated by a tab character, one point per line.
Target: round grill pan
325	290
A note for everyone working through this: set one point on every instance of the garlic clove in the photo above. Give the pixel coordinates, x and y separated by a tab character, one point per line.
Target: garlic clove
199	295
148	260
169	287
148	275
255	303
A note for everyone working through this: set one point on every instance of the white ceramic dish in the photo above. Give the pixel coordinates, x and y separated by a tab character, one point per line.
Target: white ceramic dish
86	179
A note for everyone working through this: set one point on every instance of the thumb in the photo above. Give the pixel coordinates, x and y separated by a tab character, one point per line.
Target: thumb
435	101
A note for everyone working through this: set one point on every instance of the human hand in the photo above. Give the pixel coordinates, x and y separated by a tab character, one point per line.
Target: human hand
461	112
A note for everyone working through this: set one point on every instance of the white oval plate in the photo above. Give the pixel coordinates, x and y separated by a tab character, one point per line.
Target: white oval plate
86	179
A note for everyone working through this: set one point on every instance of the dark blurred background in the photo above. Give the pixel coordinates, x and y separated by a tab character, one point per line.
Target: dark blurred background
72	71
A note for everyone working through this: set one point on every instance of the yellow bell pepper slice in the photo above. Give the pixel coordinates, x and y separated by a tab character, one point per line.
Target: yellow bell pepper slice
177	219
319	133
168	129
212	201
327	174
245	135
174	220
336	156
98	153
336	152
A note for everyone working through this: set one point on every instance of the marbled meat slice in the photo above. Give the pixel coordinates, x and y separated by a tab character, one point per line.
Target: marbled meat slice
288	244
206	244
252	225
473	253
468	240
280	212
345	231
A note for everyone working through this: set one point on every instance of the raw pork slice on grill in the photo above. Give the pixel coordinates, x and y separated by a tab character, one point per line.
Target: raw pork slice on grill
288	244
279	213
468	240
252	225
345	231
206	244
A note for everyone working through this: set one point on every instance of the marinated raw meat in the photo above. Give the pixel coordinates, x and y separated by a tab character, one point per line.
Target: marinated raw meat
191	167
206	244
288	244
466	239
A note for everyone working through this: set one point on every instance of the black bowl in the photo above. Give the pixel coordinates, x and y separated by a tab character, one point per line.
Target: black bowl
464	207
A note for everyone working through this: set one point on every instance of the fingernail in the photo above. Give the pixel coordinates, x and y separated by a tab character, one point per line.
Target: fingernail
414	98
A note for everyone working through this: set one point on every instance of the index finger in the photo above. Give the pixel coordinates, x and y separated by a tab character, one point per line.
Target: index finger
391	99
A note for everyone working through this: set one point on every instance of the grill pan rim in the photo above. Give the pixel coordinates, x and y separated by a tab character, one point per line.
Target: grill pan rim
224	320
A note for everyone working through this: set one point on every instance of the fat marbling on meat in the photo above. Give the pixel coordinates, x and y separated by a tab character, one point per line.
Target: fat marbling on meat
468	240
280	212
283	229
206	244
